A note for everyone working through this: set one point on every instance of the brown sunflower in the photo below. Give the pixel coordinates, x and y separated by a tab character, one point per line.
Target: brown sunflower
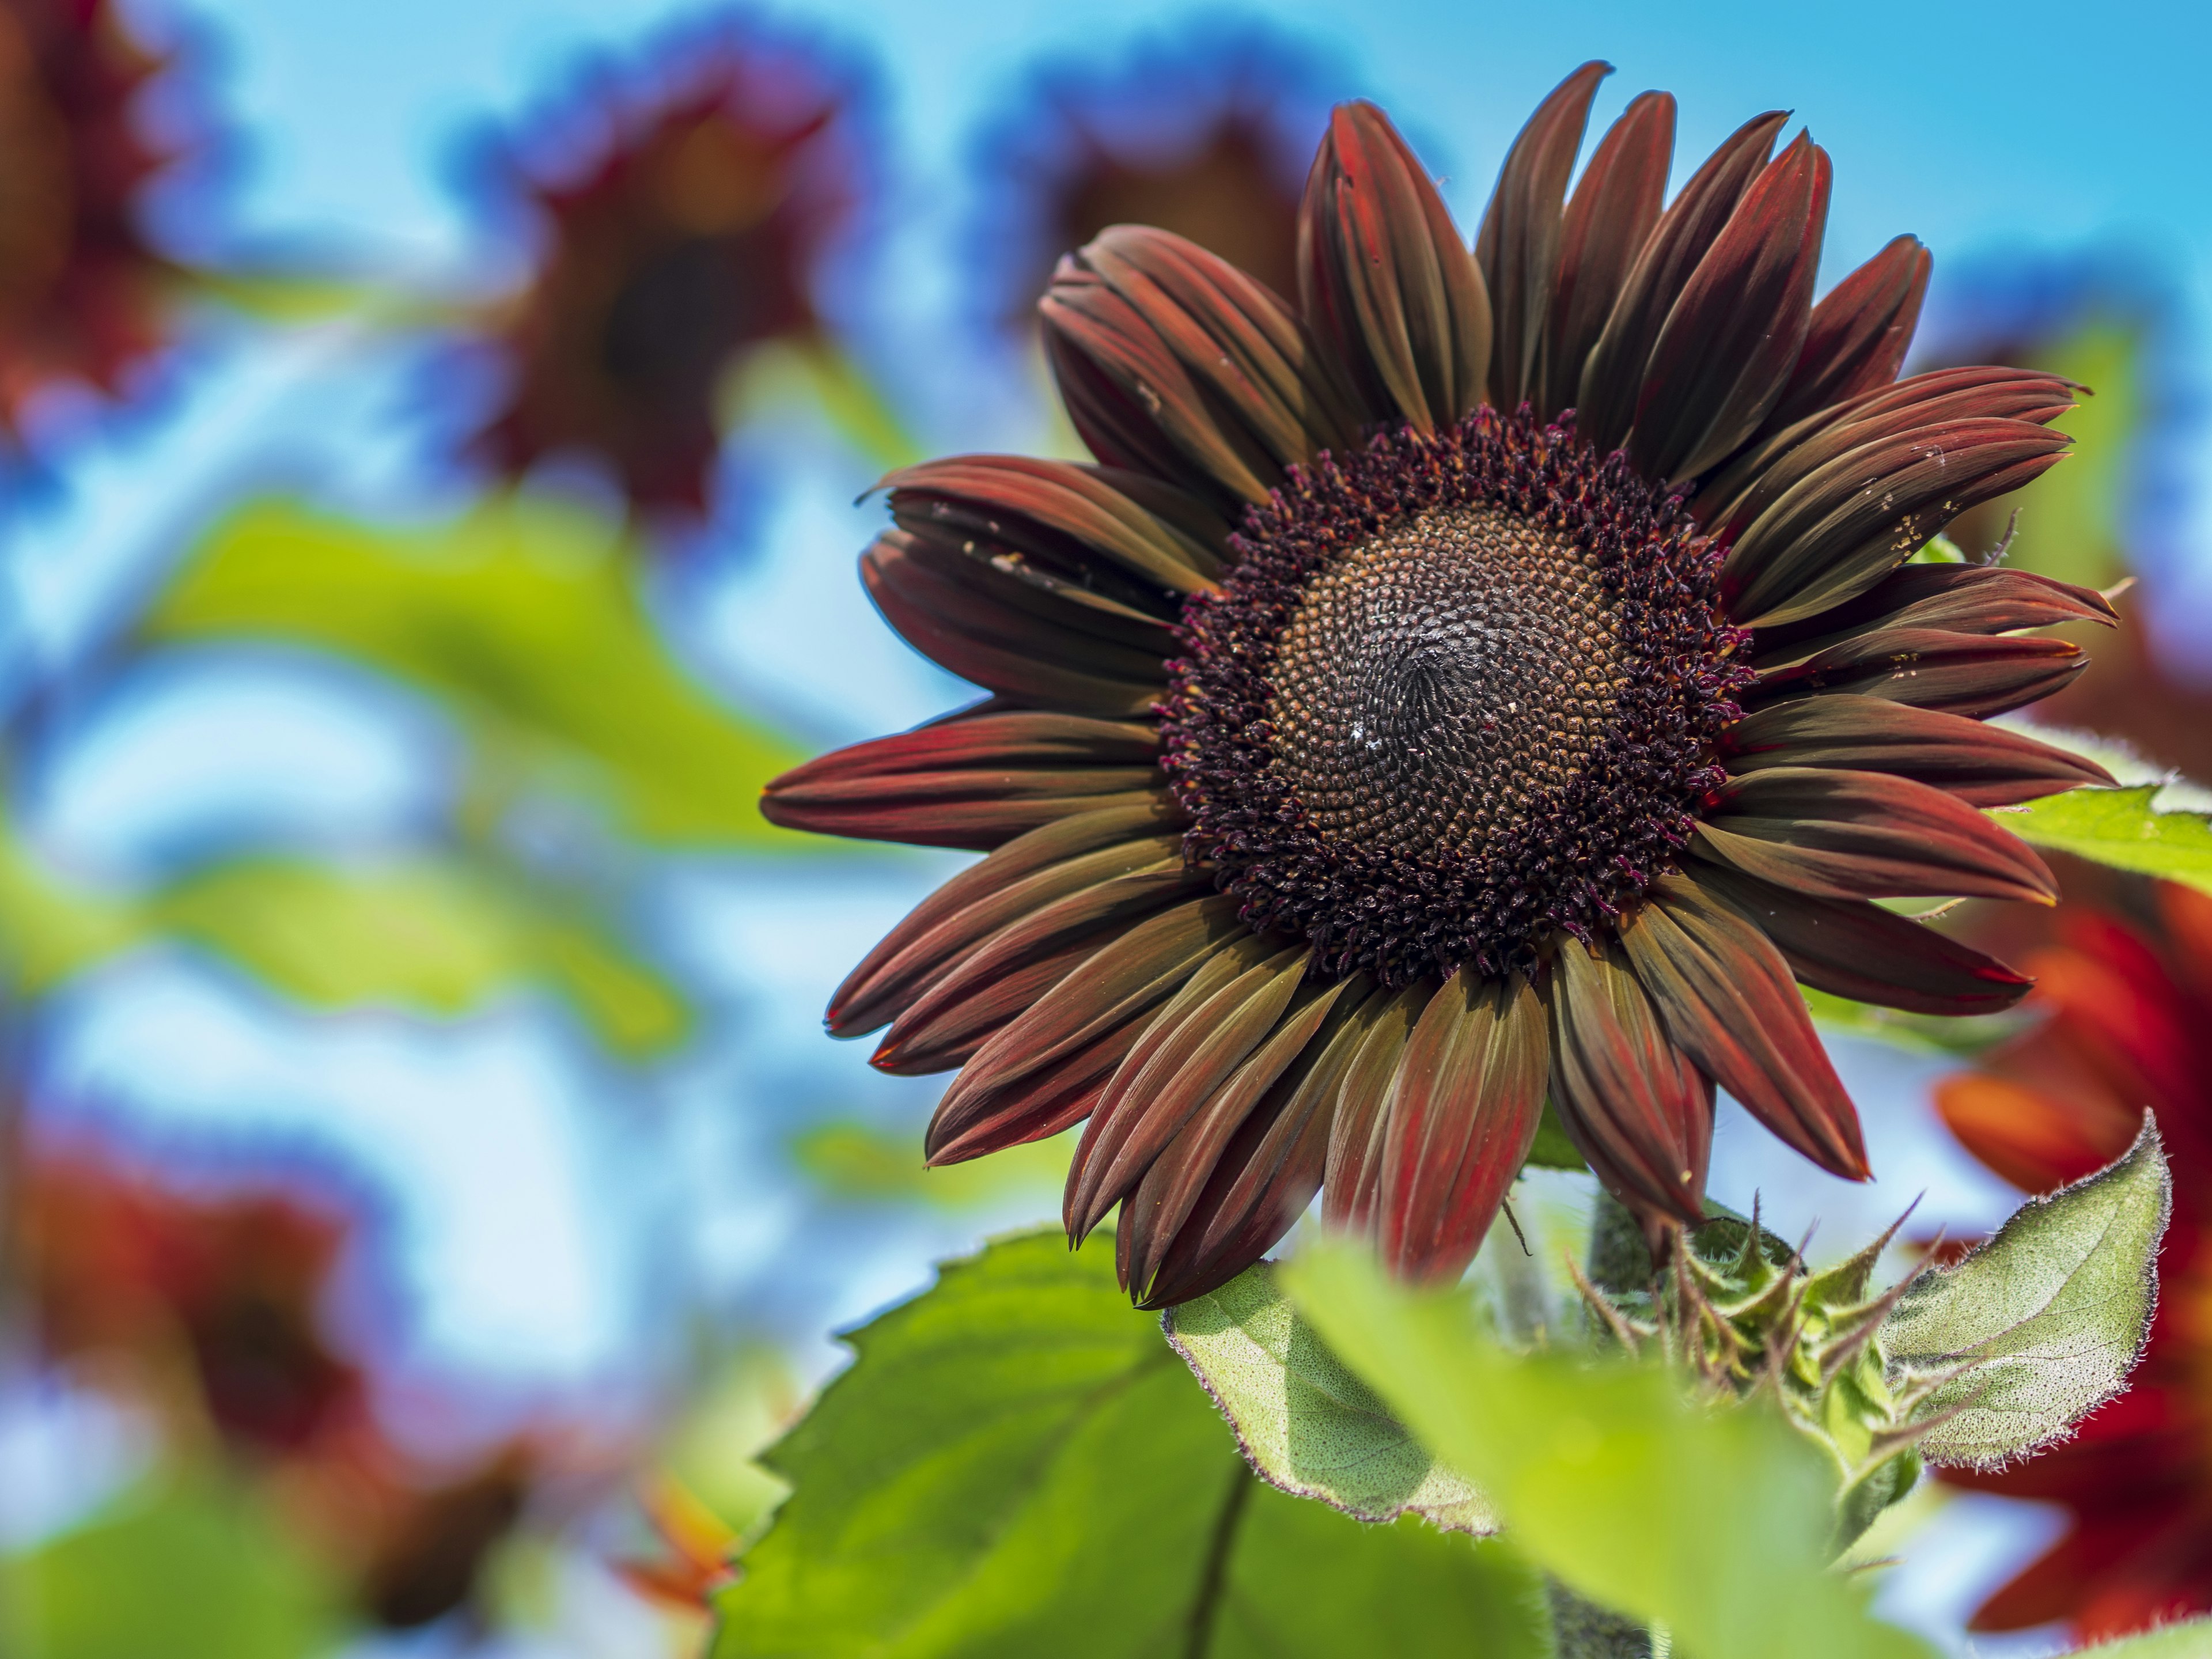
1498	674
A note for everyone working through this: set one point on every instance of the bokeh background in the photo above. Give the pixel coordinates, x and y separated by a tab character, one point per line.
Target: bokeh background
427	515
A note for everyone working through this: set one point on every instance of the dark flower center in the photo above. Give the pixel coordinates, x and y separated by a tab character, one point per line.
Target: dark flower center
1457	694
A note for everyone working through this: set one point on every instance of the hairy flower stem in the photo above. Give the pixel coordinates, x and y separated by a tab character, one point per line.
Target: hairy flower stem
1619	1261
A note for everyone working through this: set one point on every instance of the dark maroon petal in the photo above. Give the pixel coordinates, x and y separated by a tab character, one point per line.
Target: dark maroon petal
1728	345
1967	674
1243	346
1613	375
1020	961
1983	765
1167	1200
1961	599
1608	222
1270	1170
1355	1136
1518	246
1860	332
1036	1103
1116	988
1186	1055
997	598
1385	282
1928	406
1080	522
1857	834
1469	1098
998	648
1855	519
1849	948
1636	1110
944	933
1730	1002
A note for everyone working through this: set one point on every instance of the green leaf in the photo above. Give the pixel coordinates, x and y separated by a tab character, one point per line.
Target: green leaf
2043	1323
185	1571
850	1159
523	618
1713	1521
1017	1464
1309	1425
2120	827
435	936
2190	1639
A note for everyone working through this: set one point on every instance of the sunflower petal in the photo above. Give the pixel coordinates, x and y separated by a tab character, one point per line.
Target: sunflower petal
1983	765
1161	1087
1728	1001
1849	948
1241	344
1469	1099
1855	519
1166	1199
998	648
1959	599
1967	674
994	598
1270	1169
925	946
1385	281
1355	1135
1635	1107
1020	961
1518	245
1860	332
1727	347
1612	374
1857	834
1116	988
1608	222
1077	519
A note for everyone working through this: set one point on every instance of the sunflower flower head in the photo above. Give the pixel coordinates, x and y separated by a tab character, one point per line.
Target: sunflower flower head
2127	1006
1495	675
82	293
692	230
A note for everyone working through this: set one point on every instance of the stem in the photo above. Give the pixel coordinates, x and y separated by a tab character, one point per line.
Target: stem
1205	1611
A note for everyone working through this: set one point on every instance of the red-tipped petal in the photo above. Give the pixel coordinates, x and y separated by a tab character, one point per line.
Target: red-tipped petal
1606	224
1967	674
1860	331
1856	834
1469	1098
1983	765
1355	1137
1729	1003
1635	1107
1385	282
1518	245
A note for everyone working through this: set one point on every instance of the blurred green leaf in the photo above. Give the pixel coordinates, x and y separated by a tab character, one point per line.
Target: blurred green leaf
435	936
1309	1425
432	935
2120	827
1017	1464
520	615
187	1571
1713	1521
852	1159
2071	522
2043	1323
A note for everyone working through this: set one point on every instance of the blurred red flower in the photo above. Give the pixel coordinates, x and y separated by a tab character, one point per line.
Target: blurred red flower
694	231
82	293
2129	1024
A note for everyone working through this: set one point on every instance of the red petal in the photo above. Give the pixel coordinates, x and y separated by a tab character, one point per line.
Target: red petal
1608	222
1855	834
1613	376
1355	1136
1983	765
1637	1110
1967	674
1384	279
1860	332
1960	598
1469	1098
1518	246
1729	1003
